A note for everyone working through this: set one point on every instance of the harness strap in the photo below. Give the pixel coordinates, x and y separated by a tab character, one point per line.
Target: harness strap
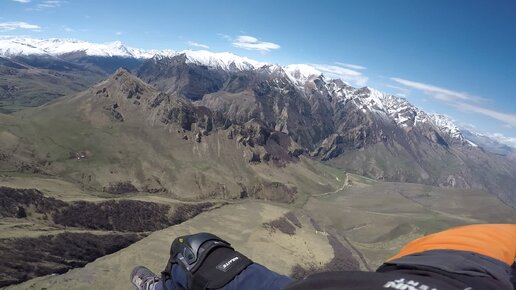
219	268
167	273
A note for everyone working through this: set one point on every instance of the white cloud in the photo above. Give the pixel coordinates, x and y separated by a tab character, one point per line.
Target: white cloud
437	92
351	66
196	44
119	33
510	141
22	1
467	126
225	36
15	25
401	90
252	43
49	4
461	101
345	74
509	120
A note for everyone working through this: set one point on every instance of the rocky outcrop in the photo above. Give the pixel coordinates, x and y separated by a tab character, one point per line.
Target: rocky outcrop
253	133
174	75
272	191
278	120
128	96
120	187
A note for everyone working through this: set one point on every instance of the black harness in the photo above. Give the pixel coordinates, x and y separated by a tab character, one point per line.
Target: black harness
209	261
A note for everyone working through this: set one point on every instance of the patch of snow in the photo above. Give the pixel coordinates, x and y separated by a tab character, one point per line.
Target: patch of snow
471	143
397	109
340	90
10	47
299	74
222	60
447	126
18	46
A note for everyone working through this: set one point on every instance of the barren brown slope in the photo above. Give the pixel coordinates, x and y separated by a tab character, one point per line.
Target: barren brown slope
123	135
240	224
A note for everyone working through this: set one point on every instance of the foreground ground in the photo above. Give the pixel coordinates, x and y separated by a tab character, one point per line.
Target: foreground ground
356	226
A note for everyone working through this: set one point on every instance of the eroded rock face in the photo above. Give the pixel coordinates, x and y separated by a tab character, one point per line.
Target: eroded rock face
280	120
176	76
253	133
272	191
130	96
243	95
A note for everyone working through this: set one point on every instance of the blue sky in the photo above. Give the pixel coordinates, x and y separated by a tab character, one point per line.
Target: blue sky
452	57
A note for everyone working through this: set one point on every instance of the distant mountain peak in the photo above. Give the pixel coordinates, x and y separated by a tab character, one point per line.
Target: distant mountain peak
24	46
222	60
122	76
218	60
402	112
489	143
299	74
447	125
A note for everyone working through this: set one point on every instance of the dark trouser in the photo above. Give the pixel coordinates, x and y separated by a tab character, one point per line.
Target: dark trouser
460	264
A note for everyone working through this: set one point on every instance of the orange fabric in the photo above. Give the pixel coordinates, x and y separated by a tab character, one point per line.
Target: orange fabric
497	241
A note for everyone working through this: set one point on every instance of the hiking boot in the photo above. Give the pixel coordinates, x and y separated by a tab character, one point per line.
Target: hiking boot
143	278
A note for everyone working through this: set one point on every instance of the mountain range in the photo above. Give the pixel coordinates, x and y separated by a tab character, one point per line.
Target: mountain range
279	113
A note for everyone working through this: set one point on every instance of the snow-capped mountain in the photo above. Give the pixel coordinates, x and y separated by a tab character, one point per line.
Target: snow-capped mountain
398	109
24	46
358	129
447	126
299	74
490	143
221	60
369	99
216	60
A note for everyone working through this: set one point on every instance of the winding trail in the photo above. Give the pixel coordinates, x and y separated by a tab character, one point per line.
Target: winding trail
344	185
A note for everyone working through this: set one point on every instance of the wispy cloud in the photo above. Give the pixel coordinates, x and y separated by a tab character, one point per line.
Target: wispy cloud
18	25
351	66
338	72
196	44
118	33
510	141
253	43
402	90
225	36
48	4
22	1
509	120
439	93
461	101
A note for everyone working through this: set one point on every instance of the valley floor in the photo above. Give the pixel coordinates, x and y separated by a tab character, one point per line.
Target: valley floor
356	226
